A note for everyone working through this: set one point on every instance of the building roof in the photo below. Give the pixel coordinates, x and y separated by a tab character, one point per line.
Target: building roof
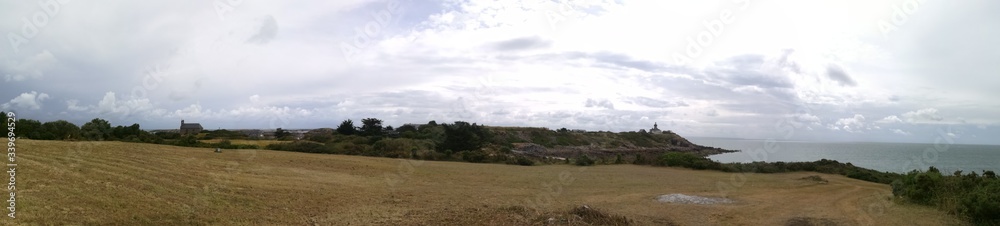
191	126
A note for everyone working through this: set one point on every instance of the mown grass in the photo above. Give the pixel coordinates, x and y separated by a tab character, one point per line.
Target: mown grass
115	183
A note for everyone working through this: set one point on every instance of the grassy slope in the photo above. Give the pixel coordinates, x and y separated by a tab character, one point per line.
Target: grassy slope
598	144
127	183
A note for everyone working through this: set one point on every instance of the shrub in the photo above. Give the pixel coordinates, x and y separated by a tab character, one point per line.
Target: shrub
583	160
301	146
520	160
983	204
474	156
596	217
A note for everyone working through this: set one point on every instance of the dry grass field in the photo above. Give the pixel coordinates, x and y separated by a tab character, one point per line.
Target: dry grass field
113	183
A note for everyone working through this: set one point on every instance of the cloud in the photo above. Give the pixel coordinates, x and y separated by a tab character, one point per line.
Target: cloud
599	103
900	132
655	103
889	119
854	124
72	105
922	115
33	67
251	68
523	43
26	101
837	74
808	119
268	31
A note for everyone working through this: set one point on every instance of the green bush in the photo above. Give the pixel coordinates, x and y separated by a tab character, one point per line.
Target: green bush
474	156
583	160
972	196
520	160
688	160
983	204
301	146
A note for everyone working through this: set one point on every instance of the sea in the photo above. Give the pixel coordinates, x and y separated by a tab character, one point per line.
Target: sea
886	157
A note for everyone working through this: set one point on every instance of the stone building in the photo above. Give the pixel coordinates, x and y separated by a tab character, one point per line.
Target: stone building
190	128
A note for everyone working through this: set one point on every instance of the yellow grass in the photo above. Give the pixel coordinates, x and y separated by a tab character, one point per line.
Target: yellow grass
114	183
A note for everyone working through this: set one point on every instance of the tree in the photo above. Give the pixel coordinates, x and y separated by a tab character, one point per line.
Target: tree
388	128
130	133
463	136
347	128
96	129
3	122
281	133
432	123
28	128
371	127
60	130
406	128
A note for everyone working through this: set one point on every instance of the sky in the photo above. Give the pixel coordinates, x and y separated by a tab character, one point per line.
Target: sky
846	70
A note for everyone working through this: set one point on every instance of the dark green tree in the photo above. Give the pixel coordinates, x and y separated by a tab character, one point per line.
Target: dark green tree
3	122
406	128
281	133
347	128
96	129
462	136
60	130
371	127
28	128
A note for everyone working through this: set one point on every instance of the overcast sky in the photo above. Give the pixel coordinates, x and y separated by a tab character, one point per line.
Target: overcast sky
855	70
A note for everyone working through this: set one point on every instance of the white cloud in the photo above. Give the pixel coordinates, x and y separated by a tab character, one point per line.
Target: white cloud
72	105
890	119
32	101
922	115
900	132
853	124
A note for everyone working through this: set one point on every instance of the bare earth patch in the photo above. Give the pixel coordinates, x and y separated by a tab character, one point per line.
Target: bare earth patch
692	199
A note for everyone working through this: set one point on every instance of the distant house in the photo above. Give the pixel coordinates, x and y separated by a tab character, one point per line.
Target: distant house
190	128
655	130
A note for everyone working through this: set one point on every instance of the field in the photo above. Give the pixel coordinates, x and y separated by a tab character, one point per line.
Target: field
115	183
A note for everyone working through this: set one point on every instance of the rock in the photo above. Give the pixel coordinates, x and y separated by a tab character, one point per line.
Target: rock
691	199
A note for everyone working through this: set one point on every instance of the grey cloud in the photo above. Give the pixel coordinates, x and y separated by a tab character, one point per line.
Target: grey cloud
599	103
837	74
650	102
532	42
268	31
746	70
605	59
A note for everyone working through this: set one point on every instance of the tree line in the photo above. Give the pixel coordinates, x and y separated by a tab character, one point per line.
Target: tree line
455	141
94	130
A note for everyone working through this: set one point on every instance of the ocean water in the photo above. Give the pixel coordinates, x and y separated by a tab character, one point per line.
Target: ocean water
888	157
